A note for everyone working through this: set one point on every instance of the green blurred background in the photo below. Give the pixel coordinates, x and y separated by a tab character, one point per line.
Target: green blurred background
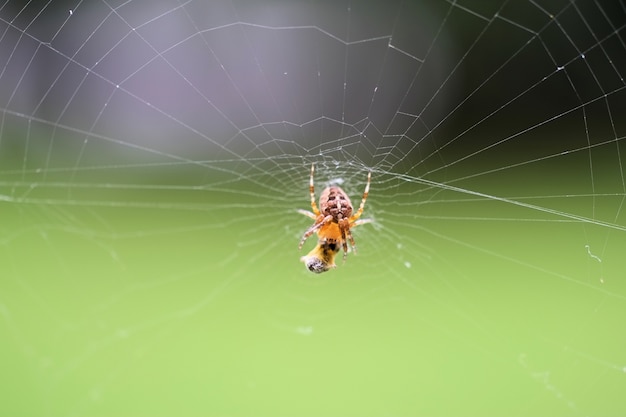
151	171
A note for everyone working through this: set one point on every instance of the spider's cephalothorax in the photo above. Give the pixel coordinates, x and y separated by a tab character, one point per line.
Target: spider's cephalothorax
333	221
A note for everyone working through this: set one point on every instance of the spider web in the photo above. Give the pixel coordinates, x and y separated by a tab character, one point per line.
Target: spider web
153	156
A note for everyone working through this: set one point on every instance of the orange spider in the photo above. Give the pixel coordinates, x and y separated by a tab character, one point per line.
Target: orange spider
332	224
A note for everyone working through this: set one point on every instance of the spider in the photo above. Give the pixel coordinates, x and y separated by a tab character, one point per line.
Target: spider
332	224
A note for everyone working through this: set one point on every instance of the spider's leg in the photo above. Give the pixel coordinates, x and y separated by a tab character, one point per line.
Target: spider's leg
316	211
343	226
321	221
351	239
307	213
365	194
359	222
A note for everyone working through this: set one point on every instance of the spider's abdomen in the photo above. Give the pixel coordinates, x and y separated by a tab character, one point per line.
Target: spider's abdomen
335	202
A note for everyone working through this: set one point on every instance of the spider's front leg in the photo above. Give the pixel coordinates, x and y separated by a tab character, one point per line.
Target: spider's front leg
344	227
308	214
351	239
319	222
